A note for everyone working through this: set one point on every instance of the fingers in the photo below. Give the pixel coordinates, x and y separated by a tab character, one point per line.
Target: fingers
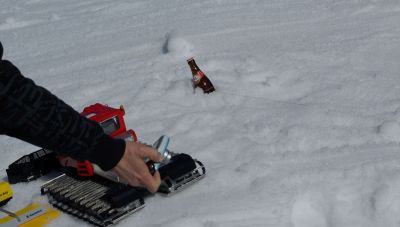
133	168
151	182
151	153
141	178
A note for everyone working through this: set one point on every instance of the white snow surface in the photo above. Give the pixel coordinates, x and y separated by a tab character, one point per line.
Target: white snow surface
302	131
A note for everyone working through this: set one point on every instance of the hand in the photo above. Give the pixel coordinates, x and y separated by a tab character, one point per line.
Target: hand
133	169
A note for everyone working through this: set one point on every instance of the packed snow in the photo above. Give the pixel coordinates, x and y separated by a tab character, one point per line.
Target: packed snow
302	131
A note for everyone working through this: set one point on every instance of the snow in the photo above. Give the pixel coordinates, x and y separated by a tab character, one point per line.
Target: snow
302	131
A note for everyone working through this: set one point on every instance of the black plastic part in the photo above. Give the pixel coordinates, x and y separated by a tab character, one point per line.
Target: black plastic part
178	166
121	195
32	166
151	166
4	202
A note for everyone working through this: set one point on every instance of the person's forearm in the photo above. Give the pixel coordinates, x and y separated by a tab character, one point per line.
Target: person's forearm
31	113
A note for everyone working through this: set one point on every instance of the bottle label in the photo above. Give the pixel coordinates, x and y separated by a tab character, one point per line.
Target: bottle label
197	77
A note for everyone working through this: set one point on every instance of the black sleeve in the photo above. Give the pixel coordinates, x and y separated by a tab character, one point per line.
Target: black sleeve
1	51
31	113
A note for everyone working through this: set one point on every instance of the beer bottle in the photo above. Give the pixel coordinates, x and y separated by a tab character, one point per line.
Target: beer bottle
199	78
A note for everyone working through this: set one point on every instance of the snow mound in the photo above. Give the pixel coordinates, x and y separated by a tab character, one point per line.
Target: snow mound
310	210
177	46
390	131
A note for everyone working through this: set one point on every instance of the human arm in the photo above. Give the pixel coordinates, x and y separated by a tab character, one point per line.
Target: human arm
31	113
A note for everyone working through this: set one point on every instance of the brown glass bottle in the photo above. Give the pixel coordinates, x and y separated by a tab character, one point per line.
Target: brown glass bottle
199	78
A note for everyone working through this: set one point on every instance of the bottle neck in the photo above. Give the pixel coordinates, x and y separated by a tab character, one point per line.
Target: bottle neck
193	66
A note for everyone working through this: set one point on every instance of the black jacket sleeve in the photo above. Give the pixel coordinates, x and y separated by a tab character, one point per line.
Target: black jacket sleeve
31	113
